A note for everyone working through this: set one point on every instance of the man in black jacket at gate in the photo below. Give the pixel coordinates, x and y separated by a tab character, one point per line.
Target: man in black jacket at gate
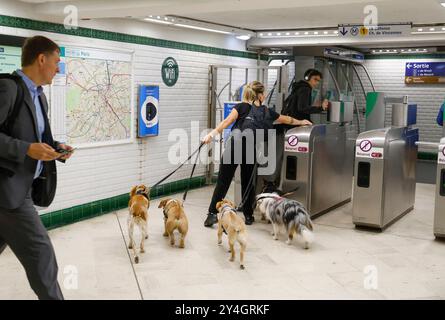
299	106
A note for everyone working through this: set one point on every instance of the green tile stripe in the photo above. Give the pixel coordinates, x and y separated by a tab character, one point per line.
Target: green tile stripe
67	216
427	156
24	23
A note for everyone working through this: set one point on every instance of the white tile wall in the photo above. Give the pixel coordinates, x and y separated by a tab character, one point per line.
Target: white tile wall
388	76
104	172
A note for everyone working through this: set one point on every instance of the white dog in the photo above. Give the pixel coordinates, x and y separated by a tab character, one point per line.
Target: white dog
290	214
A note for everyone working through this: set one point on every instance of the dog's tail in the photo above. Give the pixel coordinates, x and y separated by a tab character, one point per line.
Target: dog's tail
306	227
308	235
232	222
303	225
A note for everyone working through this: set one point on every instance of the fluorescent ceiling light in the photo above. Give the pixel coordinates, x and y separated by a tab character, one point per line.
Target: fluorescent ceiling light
157	21
243	37
442	4
201	28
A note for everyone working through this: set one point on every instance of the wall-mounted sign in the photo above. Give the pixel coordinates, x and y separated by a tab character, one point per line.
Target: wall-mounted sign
344	54
148	111
374	32
424	72
170	71
9	59
228	106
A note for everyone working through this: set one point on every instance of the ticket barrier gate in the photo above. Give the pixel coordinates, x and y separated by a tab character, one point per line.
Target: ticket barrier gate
318	161
385	170
439	213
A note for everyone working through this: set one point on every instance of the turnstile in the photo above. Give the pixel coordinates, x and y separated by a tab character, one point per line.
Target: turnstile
439	213
385	171
318	161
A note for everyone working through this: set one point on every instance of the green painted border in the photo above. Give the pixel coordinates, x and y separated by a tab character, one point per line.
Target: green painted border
24	23
430	156
97	208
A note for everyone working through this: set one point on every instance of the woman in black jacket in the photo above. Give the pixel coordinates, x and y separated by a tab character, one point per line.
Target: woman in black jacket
246	118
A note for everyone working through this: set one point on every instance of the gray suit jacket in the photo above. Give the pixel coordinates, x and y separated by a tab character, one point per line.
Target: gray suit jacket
16	168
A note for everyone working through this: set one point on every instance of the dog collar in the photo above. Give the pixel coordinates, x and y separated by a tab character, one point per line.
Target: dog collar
223	212
166	210
265	197
142	194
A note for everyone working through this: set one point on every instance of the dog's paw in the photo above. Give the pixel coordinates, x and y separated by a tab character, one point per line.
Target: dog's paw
220	242
288	242
306	246
165	234
146	237
142	251
275	237
232	259
130	246
136	260
242	267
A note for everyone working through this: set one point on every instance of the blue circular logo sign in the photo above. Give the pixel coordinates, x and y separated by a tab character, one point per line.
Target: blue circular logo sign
354	31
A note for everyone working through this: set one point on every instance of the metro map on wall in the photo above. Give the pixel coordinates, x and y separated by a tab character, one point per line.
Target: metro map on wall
9	59
96	87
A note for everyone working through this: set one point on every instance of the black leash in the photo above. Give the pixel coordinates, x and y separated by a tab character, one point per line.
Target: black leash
180	166
191	174
249	186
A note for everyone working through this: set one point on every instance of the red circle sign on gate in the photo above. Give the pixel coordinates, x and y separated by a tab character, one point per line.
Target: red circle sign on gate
292	141
366	145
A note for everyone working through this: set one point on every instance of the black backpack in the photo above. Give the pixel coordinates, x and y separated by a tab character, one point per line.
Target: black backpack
289	102
257	118
7	126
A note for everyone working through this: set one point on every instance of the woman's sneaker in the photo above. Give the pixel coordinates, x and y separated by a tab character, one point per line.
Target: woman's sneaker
211	220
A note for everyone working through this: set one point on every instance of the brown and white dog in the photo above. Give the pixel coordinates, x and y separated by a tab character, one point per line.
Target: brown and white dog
234	226
138	208
174	218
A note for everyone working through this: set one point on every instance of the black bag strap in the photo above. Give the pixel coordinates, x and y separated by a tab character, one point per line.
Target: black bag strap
12	116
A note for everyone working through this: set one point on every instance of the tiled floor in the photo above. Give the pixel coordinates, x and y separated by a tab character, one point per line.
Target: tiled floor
408	262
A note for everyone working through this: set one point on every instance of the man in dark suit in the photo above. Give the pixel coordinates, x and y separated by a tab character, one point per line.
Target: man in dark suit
27	164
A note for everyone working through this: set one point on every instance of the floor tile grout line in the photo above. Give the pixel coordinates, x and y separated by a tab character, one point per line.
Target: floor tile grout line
129	256
364	232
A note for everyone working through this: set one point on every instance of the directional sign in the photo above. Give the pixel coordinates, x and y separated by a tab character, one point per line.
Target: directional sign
424	72
380	31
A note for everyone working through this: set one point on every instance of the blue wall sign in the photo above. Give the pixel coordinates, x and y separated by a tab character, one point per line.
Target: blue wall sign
424	72
148	111
228	106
